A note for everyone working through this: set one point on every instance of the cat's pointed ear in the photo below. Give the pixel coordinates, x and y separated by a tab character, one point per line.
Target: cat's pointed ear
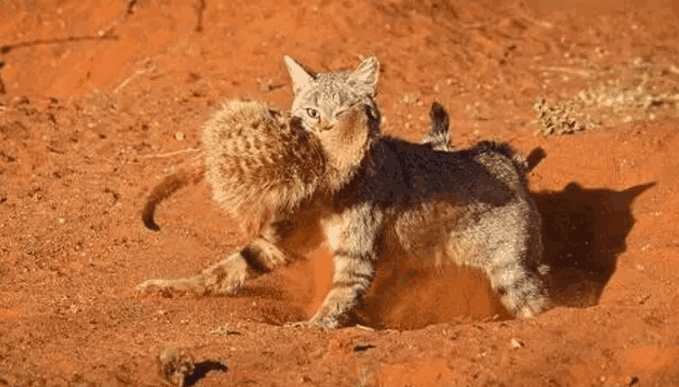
367	73
300	76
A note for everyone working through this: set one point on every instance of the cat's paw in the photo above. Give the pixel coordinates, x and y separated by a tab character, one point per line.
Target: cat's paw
532	308
297	324
528	303
322	324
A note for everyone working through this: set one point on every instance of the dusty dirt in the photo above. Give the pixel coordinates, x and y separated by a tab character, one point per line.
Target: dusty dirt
99	100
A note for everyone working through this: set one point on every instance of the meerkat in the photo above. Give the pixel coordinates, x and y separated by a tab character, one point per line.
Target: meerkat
372	197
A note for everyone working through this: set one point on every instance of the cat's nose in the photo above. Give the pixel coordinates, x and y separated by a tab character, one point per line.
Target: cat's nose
325	124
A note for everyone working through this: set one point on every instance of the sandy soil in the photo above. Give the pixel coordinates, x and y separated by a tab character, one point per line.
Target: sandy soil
99	100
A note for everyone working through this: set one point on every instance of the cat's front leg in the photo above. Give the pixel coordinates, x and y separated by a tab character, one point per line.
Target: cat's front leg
352	236
353	277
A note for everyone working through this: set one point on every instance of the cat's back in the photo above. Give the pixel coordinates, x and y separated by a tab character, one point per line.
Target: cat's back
399	173
451	203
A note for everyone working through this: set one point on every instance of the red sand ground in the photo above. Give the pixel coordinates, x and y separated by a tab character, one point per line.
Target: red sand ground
101	99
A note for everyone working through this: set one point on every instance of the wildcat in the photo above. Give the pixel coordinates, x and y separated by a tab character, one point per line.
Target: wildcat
326	167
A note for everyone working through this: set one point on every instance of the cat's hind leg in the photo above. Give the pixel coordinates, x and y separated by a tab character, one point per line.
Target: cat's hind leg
515	270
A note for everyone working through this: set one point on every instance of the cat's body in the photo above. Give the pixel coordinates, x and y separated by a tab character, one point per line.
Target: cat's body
370	197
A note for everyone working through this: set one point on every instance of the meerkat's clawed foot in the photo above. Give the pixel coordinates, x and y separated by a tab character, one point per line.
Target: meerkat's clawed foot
225	277
171	285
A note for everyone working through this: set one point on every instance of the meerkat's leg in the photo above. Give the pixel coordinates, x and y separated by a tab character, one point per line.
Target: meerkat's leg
260	256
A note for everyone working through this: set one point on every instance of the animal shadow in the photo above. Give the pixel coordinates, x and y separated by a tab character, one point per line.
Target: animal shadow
584	232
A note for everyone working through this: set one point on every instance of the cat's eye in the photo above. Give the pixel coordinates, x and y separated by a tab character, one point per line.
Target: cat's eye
313	113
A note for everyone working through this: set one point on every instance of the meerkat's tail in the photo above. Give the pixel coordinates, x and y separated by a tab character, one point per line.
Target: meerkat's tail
438	137
165	189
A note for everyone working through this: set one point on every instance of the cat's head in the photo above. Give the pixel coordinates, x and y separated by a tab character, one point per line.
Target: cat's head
339	109
320	98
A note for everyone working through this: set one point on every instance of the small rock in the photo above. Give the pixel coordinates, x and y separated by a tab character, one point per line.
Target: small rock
179	136
224	330
265	86
365	328
515	344
268	85
409	99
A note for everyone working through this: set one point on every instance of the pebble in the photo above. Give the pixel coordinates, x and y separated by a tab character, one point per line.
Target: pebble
515	344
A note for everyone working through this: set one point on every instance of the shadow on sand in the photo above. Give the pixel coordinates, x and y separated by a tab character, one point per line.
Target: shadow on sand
584	232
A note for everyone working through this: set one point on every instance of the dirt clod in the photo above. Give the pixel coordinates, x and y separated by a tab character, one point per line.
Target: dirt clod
179	367
176	364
